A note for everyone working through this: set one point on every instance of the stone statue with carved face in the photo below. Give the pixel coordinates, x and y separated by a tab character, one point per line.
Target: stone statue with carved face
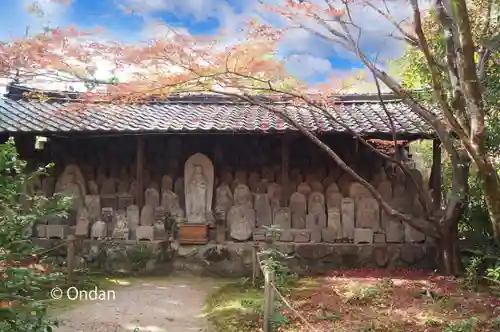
198	188
196	206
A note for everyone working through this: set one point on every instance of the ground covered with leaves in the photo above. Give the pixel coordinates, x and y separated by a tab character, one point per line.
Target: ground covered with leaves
364	301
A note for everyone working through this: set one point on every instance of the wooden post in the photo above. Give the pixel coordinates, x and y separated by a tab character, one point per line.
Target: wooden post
70	258
268	300
285	161
255	264
140	171
435	177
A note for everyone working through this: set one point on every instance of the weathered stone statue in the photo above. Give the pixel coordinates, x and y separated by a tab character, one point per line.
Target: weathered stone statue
76	177
197	188
121	230
93	188
170	201
241	221
71	188
316	217
147	215
275	194
304	188
199	183
133	217
223	198
243	196
152	197
99	230
298	209
167	183
282	218
82	223
263	212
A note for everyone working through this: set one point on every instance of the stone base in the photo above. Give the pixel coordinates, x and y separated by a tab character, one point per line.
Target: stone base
57	232
234	259
145	233
363	236
121	234
41	231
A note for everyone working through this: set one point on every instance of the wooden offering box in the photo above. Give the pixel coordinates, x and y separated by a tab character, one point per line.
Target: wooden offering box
193	233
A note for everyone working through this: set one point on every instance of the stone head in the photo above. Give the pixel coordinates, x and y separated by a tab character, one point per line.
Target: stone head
198	169
241	192
70	177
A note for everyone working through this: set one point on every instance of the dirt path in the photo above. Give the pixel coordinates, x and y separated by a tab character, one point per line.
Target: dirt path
172	304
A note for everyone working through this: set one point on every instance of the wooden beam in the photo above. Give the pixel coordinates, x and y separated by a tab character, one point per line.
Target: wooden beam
140	172
435	179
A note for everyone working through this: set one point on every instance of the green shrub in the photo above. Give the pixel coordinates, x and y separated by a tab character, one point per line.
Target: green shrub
24	277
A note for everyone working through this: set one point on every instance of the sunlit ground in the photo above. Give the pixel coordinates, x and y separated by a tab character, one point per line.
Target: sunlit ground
364	301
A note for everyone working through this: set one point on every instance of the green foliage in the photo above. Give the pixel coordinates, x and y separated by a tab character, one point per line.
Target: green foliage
412	67
273	259
235	307
472	276
139	255
23	284
493	273
362	295
468	325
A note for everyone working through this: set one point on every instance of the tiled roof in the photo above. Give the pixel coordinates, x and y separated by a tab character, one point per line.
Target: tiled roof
204	115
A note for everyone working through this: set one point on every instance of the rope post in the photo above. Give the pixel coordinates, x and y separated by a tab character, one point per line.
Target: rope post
70	259
268	299
255	264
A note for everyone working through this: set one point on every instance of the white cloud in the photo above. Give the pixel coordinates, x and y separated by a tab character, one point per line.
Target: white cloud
35	15
156	29
308	66
199	9
306	54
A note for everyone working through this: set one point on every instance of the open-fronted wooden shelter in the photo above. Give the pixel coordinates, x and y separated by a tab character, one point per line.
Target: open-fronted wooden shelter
247	166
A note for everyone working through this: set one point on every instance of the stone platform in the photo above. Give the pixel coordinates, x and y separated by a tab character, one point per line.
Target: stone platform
235	258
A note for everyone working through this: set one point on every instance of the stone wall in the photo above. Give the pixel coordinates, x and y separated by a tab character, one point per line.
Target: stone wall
317	203
234	259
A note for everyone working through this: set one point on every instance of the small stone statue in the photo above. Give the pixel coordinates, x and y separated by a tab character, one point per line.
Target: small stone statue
196	206
121	230
99	230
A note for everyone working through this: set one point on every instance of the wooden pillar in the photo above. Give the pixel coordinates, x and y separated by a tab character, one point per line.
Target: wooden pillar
435	178
140	172
285	165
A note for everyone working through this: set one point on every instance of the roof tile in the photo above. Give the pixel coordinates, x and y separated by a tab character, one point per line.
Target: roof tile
174	116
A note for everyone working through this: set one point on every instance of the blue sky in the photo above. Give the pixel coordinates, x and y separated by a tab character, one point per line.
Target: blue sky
308	57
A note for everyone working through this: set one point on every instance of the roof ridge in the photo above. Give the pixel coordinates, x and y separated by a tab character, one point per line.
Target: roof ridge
16	92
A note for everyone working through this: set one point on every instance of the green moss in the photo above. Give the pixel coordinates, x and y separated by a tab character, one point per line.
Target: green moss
234	307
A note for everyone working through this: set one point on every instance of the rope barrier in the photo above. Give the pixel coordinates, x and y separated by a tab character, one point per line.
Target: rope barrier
293	309
285	301
64	243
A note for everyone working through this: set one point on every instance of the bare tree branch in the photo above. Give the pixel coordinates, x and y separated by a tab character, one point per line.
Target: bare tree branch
419	224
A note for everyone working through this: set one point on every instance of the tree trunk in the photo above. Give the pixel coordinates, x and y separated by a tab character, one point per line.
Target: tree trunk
448	252
491	190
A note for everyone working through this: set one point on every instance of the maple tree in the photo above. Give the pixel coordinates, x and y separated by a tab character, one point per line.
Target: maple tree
183	63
